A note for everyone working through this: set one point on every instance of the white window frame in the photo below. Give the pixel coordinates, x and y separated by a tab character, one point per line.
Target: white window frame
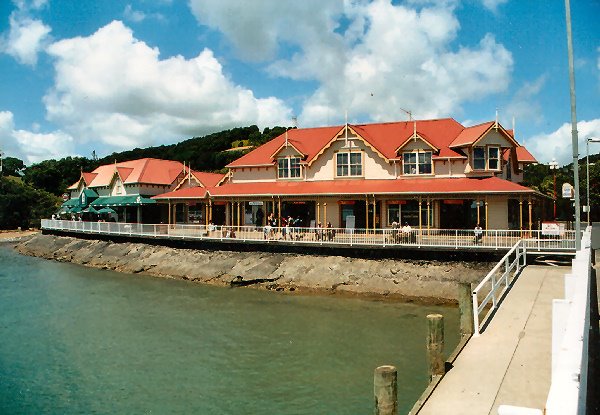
487	158
417	163
291	169
348	166
497	158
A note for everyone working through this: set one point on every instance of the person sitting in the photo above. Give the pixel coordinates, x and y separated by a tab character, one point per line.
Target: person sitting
478	234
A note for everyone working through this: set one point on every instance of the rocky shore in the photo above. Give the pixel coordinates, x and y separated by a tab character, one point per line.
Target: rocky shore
407	280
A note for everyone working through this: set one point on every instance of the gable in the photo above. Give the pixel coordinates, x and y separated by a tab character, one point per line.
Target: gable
416	143
495	137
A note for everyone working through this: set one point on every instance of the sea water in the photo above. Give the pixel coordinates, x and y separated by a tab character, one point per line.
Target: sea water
77	340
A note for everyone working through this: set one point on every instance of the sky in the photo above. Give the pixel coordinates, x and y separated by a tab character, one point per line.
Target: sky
78	76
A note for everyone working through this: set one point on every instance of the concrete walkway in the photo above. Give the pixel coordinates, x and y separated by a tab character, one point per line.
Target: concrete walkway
510	362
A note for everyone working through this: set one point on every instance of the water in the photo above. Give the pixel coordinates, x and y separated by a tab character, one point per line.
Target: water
78	340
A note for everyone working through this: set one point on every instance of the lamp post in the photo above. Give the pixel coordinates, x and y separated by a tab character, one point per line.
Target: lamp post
554	167
587	176
574	140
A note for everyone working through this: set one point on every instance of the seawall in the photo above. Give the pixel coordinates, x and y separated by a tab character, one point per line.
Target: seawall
427	281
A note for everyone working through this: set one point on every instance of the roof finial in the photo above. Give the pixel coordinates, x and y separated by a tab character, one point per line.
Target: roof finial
496	123
346	130
514	131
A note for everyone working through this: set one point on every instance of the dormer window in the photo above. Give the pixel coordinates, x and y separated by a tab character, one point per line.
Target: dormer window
486	158
349	164
288	167
417	162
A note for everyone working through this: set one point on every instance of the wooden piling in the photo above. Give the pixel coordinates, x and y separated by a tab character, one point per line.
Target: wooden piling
385	383
435	345
465	308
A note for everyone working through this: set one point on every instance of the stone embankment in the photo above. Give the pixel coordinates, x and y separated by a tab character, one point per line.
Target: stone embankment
405	279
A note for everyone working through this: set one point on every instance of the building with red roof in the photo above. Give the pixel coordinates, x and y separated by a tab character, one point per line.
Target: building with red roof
126	189
427	173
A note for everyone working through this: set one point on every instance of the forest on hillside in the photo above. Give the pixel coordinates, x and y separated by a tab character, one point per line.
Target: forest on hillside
28	193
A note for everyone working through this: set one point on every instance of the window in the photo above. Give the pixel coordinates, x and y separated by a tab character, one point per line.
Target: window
486	160
479	158
288	167
349	164
417	162
493	158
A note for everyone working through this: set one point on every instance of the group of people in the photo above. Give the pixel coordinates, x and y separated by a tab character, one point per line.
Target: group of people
324	234
289	227
404	234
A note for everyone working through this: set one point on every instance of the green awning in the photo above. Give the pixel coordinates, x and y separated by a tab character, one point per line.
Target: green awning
90	209
90	193
134	200
75	209
70	203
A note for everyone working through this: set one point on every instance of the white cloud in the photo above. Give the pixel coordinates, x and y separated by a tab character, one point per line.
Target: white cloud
371	58
113	89
557	144
29	4
525	106
135	16
25	39
493	4
29	146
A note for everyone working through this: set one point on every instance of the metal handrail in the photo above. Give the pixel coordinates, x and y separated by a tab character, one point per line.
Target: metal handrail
498	285
419	238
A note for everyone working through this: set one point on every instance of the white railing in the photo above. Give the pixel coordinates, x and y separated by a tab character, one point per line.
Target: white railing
446	238
496	282
570	337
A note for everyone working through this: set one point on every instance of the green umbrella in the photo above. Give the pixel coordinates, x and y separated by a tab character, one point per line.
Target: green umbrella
90	209
106	210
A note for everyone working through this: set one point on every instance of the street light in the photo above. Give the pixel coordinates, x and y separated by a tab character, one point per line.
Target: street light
587	154
554	167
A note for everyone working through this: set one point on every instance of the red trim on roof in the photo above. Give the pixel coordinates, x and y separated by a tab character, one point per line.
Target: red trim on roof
361	187
187	193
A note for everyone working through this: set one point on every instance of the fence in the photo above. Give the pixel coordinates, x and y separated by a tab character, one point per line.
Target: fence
497	282
446	238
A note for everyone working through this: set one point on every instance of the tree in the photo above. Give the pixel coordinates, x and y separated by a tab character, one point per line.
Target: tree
21	205
12	166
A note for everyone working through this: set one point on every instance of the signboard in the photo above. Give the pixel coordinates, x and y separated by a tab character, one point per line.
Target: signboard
350	221
567	191
65	197
552	228
255	203
397	202
346	202
453	202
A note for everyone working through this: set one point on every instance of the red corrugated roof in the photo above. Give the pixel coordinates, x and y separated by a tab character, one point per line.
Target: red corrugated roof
208	179
308	140
524	156
385	138
148	171
187	193
470	134
361	187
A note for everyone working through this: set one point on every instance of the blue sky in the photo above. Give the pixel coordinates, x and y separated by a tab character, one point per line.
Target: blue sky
78	76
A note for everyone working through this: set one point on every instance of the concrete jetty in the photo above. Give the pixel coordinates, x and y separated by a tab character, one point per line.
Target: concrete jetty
510	362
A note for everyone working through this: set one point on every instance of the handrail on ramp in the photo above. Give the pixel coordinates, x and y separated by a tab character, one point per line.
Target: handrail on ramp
497	284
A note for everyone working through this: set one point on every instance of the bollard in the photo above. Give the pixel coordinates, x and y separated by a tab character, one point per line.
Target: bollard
386	390
435	345
465	308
